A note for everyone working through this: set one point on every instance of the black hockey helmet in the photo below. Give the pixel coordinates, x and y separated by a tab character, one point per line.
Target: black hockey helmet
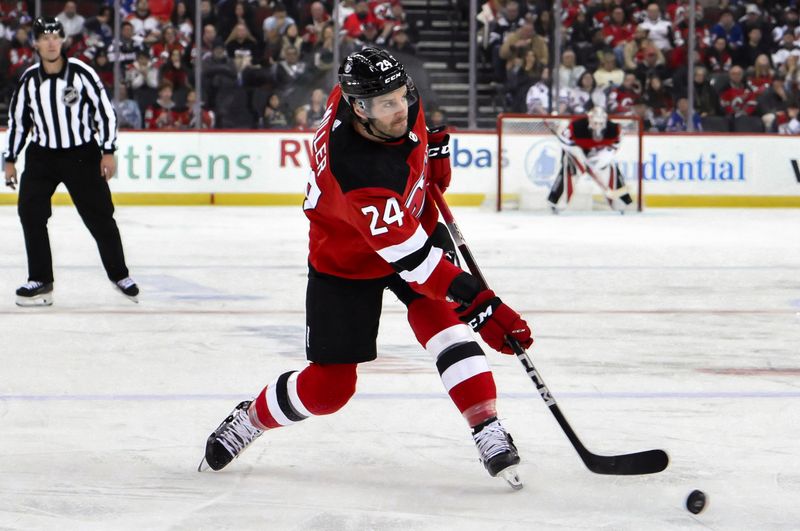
372	72
44	25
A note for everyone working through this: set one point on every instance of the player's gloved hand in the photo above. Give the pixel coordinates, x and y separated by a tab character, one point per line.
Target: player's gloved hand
439	157
493	320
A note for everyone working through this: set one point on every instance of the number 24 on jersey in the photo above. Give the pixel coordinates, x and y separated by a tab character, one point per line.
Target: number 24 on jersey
391	214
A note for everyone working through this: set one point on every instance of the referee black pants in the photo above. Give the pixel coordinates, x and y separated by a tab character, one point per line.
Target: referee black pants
79	170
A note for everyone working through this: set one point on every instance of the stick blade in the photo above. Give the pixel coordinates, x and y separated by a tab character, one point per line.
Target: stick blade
640	463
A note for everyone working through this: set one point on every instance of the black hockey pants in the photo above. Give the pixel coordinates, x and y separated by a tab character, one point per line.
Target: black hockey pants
79	170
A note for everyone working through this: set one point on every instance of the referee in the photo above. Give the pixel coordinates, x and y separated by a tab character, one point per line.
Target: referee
64	106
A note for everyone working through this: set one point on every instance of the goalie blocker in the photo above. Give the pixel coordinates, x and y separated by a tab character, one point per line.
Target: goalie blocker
590	144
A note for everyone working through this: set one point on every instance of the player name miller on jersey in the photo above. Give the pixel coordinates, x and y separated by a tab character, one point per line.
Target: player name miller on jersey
366	200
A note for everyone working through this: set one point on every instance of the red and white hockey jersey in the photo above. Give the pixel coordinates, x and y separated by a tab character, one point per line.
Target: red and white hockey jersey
367	204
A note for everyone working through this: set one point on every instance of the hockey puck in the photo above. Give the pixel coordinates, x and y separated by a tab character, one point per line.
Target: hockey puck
696	501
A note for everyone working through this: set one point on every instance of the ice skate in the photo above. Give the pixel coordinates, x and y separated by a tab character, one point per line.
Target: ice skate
128	288
35	293
230	439
497	451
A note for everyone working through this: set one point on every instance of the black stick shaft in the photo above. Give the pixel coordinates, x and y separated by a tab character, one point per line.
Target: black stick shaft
647	462
522	356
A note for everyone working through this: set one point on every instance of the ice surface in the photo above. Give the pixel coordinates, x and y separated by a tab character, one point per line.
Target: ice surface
674	329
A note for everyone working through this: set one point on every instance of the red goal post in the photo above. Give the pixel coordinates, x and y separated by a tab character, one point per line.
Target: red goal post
529	156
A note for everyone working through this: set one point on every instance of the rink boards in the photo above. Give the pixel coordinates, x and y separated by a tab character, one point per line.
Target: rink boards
271	168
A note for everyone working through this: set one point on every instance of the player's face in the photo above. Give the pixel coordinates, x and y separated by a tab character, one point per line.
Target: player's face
390	112
49	46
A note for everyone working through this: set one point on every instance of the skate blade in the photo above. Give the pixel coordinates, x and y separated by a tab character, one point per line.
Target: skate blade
511	476
132	298
203	466
38	300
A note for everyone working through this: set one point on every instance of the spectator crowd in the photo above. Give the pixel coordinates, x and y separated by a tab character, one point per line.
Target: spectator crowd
269	64
264	63
631	58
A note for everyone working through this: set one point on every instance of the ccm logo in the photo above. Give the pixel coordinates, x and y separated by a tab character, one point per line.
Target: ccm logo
392	78
480	319
436	152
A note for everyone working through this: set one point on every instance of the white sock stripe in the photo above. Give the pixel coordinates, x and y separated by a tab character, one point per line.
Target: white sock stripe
464	370
294	398
447	338
274	407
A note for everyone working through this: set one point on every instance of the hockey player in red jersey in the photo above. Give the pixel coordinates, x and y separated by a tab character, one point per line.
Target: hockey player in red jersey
373	228
590	144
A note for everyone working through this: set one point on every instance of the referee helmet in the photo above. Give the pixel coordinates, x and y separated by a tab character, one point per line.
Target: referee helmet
44	25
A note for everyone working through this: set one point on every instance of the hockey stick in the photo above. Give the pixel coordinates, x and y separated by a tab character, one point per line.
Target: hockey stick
585	167
647	462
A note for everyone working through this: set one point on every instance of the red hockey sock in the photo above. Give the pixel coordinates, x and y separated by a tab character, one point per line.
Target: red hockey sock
429	317
461	363
293	396
476	398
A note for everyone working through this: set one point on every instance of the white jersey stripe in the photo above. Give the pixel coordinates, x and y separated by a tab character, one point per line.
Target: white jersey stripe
397	252
16	118
47	113
63	115
422	272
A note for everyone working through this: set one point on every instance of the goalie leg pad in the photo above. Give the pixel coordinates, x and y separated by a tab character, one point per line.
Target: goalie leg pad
564	175
570	187
619	184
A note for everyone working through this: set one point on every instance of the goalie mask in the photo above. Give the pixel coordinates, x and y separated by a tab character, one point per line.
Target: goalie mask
598	119
372	80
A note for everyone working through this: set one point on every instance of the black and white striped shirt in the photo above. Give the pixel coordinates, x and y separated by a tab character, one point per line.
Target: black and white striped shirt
62	110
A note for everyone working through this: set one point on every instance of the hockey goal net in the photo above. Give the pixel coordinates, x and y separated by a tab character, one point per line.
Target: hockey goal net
530	158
